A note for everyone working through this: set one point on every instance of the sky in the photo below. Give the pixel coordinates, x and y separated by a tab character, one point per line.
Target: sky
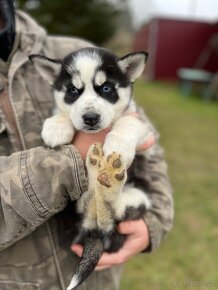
204	10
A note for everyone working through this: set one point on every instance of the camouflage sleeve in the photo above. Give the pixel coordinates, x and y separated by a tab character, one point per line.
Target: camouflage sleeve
149	173
160	218
34	185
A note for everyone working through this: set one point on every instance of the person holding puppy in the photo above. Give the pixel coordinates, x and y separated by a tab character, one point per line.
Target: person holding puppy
39	186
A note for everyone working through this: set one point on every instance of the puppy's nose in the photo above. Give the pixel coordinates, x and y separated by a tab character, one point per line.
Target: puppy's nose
91	119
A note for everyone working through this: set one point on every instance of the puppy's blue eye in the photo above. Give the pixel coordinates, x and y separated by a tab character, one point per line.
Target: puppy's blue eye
107	88
73	91
72	94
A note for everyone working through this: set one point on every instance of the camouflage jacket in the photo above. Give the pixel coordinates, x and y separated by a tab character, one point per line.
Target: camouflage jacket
38	185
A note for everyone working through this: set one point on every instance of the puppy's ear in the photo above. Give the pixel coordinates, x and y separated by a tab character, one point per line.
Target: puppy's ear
133	64
48	68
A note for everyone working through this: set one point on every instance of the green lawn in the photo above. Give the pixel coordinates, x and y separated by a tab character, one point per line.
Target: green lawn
189	134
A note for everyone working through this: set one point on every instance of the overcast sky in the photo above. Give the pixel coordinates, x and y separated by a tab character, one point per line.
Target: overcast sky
206	10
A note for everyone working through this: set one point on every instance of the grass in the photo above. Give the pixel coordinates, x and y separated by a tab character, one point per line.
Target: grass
189	134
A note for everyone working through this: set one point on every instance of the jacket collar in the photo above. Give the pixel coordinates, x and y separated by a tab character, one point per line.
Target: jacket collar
29	40
32	35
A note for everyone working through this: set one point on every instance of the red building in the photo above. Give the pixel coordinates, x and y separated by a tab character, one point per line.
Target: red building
173	44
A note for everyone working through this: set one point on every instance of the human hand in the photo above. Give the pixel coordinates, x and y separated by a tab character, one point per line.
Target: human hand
83	141
150	140
137	240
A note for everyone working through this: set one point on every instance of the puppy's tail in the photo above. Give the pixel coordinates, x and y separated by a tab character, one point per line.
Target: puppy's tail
92	251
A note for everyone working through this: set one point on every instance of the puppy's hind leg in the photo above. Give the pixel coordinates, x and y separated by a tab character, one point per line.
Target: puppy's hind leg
87	203
131	204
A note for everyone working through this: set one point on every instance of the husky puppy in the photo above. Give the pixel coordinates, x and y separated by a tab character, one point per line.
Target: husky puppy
93	91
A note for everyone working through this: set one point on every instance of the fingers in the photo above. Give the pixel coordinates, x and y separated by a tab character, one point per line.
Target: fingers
134	114
77	249
147	144
137	240
112	259
106	260
83	140
100	268
129	227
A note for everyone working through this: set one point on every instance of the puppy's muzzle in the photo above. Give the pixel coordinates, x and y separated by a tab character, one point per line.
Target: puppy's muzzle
91	119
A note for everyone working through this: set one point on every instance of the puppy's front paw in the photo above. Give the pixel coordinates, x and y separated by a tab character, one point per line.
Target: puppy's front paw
57	130
112	172
118	144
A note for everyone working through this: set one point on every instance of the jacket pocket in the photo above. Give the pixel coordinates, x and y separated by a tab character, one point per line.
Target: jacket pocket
13	285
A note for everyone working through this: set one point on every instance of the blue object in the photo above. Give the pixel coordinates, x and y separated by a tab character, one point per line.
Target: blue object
190	76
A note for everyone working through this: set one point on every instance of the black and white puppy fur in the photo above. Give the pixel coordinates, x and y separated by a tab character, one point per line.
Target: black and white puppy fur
93	91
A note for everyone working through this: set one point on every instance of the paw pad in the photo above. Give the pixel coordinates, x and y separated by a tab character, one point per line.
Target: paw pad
112	171
116	163
95	155
92	161
120	176
96	150
103	179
